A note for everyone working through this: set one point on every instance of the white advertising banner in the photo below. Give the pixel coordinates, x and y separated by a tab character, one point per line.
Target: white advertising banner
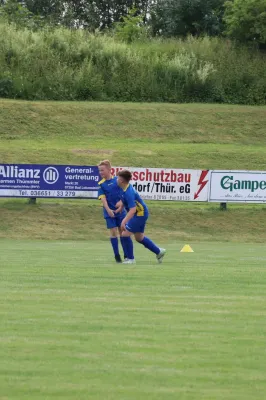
237	186
169	184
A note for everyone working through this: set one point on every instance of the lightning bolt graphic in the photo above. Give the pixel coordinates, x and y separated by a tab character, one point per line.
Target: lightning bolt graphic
202	183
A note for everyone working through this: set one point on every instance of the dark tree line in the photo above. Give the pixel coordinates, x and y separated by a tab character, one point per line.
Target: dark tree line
90	14
244	20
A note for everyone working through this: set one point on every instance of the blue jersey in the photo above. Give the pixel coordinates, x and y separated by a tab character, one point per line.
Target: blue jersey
131	199
110	189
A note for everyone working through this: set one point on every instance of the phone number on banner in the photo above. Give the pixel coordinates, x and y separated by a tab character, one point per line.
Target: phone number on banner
48	193
165	197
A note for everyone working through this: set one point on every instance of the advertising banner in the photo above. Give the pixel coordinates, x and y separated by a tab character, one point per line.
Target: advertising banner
238	186
65	181
169	184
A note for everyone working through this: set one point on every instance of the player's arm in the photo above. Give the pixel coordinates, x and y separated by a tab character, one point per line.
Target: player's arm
101	196
119	207
132	208
130	214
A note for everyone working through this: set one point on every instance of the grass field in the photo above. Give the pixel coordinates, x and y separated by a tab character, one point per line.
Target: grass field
154	135
200	136
169	221
76	326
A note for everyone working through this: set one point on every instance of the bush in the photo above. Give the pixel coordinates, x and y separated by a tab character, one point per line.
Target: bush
131	28
246	20
62	64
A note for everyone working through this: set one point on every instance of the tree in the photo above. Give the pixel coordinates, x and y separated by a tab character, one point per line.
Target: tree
183	17
51	10
17	13
87	14
101	14
48	10
246	20
131	27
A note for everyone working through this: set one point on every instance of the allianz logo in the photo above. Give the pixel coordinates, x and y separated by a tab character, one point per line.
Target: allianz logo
50	174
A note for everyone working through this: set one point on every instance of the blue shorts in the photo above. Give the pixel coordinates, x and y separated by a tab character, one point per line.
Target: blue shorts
114	222
136	224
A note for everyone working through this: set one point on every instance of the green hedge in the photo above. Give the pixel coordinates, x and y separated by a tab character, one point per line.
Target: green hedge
64	64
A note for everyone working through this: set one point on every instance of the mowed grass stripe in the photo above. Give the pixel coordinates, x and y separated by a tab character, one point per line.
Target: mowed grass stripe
200	136
76	325
171	221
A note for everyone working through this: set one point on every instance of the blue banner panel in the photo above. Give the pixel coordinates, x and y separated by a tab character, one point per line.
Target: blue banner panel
65	181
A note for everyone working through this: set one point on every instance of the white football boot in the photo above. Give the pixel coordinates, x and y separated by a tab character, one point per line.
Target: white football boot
128	261
161	255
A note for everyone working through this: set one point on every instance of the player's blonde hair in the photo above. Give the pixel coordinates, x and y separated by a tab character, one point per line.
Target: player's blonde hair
106	163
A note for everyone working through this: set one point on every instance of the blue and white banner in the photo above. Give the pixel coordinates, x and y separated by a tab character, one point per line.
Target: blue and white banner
65	181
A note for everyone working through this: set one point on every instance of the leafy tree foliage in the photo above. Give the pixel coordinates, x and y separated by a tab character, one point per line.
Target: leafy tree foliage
246	20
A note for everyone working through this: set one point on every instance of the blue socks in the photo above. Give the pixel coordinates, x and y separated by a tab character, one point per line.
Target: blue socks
148	243
114	243
128	244
122	240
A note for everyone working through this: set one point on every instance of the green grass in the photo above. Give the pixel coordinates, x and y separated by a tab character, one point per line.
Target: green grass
155	135
152	135
76	326
169	221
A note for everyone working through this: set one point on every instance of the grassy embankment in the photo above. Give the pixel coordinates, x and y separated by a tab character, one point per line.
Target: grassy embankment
154	135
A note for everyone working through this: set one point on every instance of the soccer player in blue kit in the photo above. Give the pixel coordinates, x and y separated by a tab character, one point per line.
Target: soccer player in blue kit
135	220
110	193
